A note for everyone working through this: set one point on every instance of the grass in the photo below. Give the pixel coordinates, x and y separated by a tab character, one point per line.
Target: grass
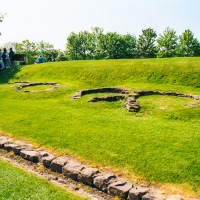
160	144
17	184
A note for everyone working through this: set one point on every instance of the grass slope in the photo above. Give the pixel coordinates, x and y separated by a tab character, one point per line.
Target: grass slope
161	143
16	184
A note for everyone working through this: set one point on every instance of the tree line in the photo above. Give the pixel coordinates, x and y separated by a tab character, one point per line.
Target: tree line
111	45
96	44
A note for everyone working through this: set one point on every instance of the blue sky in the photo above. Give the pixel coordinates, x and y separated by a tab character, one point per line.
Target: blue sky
53	20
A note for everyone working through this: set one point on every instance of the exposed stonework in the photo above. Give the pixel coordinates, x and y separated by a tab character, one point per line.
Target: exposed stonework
104	181
139	93
131	103
87	175
72	169
136	193
10	146
120	188
54	84
47	160
81	93
57	164
30	155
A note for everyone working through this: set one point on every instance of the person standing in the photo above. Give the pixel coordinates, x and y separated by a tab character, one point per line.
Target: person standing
4	57
1	62
11	57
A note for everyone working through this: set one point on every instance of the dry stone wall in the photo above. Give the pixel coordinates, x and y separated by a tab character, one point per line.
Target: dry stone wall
28	84
81	93
104	181
131	103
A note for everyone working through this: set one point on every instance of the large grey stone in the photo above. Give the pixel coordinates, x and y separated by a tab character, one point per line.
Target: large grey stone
9	146
132	105
58	163
86	175
120	189
72	169
103	180
137	193
154	195
47	160
30	155
17	149
42	154
3	141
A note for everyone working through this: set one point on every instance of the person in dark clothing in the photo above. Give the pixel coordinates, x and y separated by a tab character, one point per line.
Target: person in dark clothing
4	57
40	60
11	57
1	62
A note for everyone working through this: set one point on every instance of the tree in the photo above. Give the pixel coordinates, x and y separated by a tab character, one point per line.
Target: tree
61	56
111	45
167	43
72	46
116	46
97	38
29	49
129	46
146	44
188	45
47	51
80	46
97	45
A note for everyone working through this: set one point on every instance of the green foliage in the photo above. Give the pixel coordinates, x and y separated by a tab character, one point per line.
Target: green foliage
47	51
16	184
29	49
146	44
61	56
174	71
188	45
167	43
117	46
80	46
34	50
160	143
97	45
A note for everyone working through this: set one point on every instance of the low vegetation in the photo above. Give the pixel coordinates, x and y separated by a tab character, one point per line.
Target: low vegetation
159	144
15	183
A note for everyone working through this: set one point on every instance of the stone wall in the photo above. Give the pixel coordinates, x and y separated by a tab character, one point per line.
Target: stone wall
106	182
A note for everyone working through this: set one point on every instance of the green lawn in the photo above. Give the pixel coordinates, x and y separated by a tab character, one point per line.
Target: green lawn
17	184
160	144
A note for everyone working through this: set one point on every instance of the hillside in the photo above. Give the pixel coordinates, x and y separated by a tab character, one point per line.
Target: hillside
159	144
178	71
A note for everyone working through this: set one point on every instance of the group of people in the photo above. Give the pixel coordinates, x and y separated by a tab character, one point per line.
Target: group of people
7	59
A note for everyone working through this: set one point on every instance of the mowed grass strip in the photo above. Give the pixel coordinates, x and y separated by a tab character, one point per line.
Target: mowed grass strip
160	144
15	184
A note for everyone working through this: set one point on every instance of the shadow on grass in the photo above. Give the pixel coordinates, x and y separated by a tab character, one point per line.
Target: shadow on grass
9	73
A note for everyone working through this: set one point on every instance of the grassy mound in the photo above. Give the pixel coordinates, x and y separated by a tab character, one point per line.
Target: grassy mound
159	144
179	71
